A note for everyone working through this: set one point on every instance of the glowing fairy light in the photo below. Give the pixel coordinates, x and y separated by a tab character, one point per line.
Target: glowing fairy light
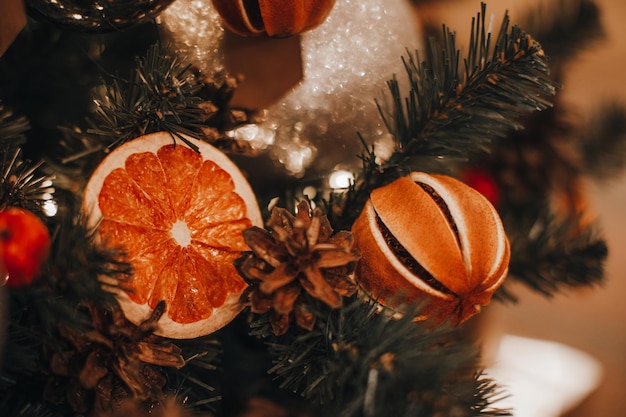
50	208
340	179
309	192
259	137
297	159
384	148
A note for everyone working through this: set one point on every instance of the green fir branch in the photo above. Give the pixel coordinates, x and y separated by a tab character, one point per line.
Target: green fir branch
12	128
195	383
450	111
21	353
565	28
359	361
550	255
78	261
21	182
35	408
162	94
603	144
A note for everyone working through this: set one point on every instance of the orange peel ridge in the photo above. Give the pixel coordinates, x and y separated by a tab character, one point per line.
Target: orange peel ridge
178	216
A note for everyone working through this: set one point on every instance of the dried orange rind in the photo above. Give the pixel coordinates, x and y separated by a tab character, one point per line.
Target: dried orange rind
431	239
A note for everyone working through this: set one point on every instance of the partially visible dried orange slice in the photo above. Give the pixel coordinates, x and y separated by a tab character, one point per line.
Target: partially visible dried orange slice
178	214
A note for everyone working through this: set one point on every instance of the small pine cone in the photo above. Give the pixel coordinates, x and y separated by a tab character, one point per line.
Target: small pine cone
110	361
298	253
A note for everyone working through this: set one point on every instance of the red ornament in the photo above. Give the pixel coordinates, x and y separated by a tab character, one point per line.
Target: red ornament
482	182
24	246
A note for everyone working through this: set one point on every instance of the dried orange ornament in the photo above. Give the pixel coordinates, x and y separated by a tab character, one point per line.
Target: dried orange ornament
277	18
178	214
432	239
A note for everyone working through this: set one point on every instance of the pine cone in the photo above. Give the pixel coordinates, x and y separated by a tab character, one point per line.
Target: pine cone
298	253
112	362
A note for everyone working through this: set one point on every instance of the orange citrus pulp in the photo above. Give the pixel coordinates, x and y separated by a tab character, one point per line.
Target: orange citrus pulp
178	215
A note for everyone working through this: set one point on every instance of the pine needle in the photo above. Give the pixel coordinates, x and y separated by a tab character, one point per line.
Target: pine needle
12	127
565	28
603	144
21	182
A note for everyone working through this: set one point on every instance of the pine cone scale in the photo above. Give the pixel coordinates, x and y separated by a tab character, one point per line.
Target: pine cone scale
276	279
284	299
305	319
111	360
318	287
92	371
333	257
261	243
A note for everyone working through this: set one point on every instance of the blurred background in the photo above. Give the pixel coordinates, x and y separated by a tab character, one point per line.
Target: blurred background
592	321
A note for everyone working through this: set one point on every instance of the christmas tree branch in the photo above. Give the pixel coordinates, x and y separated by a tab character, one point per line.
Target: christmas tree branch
12	127
21	182
359	361
450	111
603	144
162	94
550	255
565	28
196	382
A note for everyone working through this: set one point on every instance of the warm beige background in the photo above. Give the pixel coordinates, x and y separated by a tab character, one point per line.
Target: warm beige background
593	321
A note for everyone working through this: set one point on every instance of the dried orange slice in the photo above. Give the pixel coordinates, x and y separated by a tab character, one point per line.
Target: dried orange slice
178	214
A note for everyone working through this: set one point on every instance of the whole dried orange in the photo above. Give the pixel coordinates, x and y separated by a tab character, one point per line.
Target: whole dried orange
431	239
178	215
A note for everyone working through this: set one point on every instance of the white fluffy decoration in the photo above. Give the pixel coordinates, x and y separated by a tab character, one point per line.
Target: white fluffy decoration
347	62
196	31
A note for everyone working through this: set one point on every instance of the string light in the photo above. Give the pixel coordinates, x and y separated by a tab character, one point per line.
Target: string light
50	208
340	179
259	137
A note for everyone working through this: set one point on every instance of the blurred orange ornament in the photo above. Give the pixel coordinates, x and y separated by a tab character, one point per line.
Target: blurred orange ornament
24	246
279	18
431	239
